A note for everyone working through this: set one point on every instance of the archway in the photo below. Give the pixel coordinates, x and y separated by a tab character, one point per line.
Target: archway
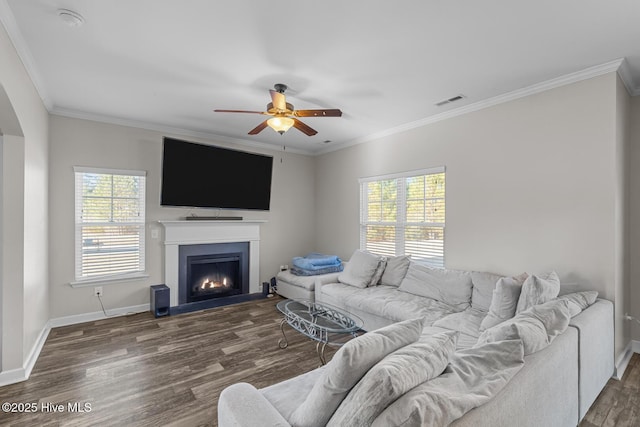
9	125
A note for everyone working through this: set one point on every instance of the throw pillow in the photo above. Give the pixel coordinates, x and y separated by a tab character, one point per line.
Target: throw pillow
452	287
395	270
393	376
483	286
347	366
538	290
472	378
382	264
360	269
504	301
537	326
579	301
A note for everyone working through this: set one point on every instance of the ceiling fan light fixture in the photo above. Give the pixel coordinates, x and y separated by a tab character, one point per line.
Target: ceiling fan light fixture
280	124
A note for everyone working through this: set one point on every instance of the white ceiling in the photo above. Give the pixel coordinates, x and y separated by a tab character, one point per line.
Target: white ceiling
167	64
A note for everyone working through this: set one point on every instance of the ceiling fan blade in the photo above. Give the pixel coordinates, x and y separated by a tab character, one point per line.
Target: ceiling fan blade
333	112
303	128
256	130
278	99
239	111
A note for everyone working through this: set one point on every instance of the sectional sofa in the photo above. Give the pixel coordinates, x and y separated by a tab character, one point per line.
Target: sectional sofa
566	347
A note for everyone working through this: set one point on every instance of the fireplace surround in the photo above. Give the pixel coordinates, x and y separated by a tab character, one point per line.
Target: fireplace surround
198	239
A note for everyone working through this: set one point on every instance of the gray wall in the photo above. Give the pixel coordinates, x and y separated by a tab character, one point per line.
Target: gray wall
532	185
75	142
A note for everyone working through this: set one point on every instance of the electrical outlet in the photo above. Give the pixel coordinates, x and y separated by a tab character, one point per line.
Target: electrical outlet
97	291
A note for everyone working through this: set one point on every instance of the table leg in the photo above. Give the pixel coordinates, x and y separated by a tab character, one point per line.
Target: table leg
320	347
282	343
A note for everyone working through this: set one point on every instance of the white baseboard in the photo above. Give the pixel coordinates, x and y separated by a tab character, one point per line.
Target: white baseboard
97	315
13	376
22	374
625	357
17	375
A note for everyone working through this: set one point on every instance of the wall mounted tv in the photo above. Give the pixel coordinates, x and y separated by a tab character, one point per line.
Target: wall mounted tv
205	176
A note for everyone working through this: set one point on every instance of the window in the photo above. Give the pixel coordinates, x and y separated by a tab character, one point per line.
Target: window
110	223
404	214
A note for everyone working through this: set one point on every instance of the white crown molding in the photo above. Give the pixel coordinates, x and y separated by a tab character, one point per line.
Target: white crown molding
598	70
625	75
9	21
171	131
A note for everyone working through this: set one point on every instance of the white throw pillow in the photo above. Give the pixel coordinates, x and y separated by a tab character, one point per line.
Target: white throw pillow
347	366
579	301
537	326
452	287
472	378
393	376
538	290
360	269
504	301
483	286
395	270
382	264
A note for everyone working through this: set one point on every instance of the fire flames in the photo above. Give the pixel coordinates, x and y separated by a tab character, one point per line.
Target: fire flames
211	284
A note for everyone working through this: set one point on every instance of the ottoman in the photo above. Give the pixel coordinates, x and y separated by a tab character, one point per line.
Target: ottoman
300	287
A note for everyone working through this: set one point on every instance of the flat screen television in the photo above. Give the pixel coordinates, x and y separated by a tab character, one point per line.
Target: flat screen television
205	176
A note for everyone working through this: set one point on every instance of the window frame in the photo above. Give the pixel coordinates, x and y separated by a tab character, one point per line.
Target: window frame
79	224
401	223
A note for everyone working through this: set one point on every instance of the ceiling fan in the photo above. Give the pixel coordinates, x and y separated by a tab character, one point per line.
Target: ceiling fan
284	115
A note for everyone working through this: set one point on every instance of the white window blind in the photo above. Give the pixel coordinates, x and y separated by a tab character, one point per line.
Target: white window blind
404	214
110	222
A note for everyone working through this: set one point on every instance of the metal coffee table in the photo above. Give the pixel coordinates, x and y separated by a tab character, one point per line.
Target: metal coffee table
323	323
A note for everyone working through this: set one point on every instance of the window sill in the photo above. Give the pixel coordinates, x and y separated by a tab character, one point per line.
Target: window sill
106	280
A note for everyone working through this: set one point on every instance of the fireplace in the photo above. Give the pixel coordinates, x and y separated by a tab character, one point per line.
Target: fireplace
213	276
212	271
198	238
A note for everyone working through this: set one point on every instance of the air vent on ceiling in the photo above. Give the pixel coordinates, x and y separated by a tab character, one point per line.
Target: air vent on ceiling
450	100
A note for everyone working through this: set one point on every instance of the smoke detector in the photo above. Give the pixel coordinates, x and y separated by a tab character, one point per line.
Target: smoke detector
71	18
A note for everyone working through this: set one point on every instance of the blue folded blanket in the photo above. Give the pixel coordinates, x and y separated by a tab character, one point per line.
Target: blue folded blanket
326	270
316	261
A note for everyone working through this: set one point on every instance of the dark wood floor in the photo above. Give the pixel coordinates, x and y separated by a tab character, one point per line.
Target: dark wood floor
142	371
619	402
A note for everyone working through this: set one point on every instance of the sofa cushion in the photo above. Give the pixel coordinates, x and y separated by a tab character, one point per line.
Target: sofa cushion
473	377
287	395
537	327
347	366
304	282
504	300
464	340
393	376
360	269
395	270
452	287
579	301
467	322
538	290
483	286
385	301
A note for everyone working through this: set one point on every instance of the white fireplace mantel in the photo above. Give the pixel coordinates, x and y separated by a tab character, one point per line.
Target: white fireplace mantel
177	233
